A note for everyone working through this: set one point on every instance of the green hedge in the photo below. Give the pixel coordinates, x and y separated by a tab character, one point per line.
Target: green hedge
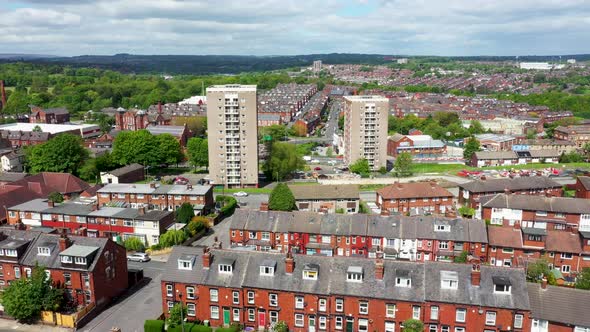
153	325
190	327
229	204
228	329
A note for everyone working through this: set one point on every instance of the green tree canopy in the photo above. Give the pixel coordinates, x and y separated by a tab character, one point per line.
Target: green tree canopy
361	167
63	153
281	198
198	151
185	213
413	325
169	149
172	237
25	298
283	160
583	279
133	244
55	197
471	147
403	164
177	313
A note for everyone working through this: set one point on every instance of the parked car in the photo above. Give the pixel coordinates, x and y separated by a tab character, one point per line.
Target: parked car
241	194
138	257
181	180
317	169
315	161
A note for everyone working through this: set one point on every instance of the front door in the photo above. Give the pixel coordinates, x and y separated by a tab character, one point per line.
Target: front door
226	316
311	324
349	324
340	252
261	319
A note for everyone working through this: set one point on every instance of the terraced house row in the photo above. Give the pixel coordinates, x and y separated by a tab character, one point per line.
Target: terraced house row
92	271
92	220
418	238
314	293
157	196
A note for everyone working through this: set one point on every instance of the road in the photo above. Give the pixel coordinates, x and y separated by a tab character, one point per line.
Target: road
333	116
130	312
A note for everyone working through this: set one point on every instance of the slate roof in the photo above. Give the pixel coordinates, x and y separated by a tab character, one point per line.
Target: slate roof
46	182
516	184
325	192
413	227
489	155
560	304
425	278
560	241
539	203
139	188
413	190
585	181
126	169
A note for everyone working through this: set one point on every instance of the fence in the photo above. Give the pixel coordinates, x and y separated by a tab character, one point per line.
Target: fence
65	320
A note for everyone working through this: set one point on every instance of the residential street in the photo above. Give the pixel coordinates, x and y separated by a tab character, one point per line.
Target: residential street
130	313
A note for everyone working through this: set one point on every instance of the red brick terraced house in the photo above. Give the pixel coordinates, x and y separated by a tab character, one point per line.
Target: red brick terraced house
49	115
90	270
312	293
582	187
470	192
415	198
93	221
558	309
157	196
419	238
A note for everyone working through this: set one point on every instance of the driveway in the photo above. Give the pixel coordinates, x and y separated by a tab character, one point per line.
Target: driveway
130	312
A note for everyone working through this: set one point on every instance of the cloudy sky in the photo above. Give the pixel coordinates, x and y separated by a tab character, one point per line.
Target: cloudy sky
264	27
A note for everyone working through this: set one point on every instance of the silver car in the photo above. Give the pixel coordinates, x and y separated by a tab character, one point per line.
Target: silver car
138	257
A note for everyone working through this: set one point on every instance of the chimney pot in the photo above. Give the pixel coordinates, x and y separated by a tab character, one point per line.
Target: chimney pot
50	203
475	274
544	283
64	241
206	258
264	206
289	263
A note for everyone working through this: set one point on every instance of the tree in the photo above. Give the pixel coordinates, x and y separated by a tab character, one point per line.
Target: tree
461	258
185	213
25	298
537	270
466	211
299	129
403	164
198	151
571	157
361	167
177	313
197	224
274	132
55	197
172	237
64	153
169	149
133	244
413	325
135	147
329	152
470	148
283	160
583	279
37	129
586	149
18	102
281	198
476	127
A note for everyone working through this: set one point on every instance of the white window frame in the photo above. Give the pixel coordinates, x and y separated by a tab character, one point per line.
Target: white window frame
364	307
434	310
214	312
213	295
490	318
273	299
299	320
460	315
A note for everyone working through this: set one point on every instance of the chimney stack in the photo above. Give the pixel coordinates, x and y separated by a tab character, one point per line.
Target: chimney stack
385	212
264	206
475	274
379	269
544	283
506	191
50	203
160	107
64	241
206	258
152	185
289	263
141	210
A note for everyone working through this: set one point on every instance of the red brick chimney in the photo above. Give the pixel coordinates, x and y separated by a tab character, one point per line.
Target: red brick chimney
544	283
264	206
379	269
475	274
289	263
50	203
64	242
517	225
206	258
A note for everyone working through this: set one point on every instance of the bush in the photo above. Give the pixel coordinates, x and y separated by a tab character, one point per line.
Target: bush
172	237
133	244
197	225
185	213
152	325
190	327
228	329
156	247
229	204
55	197
281	199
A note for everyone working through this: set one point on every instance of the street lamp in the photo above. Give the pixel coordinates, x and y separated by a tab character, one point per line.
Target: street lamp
181	310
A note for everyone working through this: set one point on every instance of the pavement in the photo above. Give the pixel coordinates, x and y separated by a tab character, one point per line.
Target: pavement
131	311
7	325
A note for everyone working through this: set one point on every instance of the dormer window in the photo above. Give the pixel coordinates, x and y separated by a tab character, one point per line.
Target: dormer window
310	272
186	262
354	274
80	260
502	285
43	251
442	228
449	280
226	266
403	279
268	268
10	252
66	259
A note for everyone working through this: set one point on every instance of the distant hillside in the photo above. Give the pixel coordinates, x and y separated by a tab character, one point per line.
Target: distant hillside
232	64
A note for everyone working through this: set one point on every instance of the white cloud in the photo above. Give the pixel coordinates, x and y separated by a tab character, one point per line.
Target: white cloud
451	27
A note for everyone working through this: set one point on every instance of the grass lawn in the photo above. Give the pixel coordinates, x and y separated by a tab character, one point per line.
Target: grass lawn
247	190
371	187
453	168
